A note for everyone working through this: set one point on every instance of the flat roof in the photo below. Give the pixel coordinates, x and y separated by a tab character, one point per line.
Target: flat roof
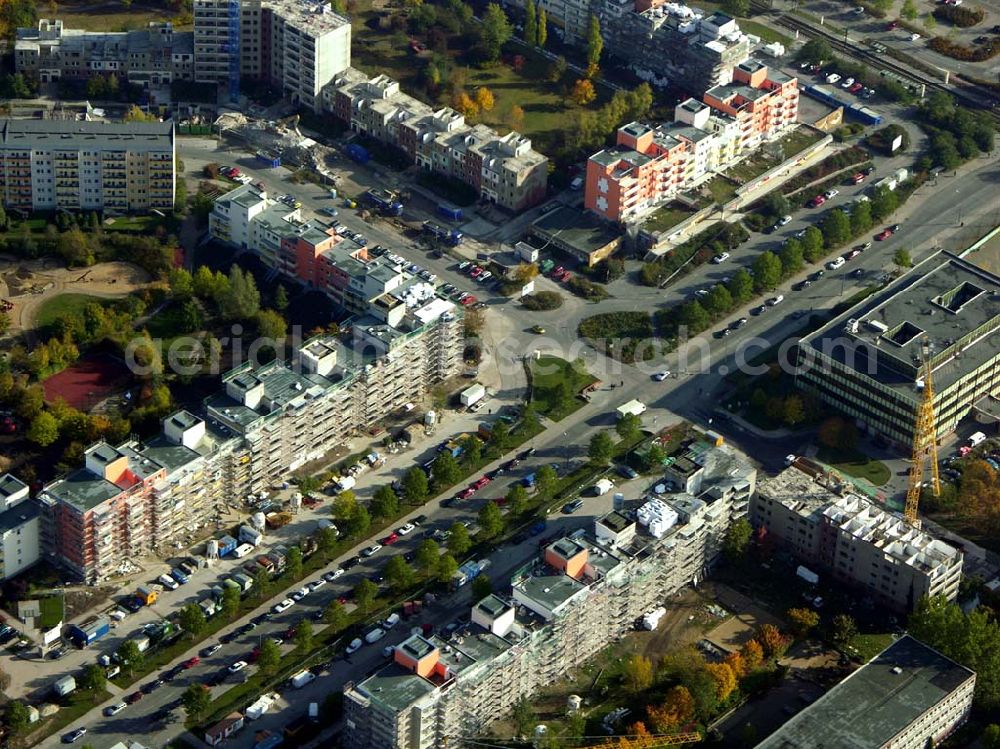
11	485
581	230
395	687
550	590
876	702
615	521
18	515
76	135
83	490
946	301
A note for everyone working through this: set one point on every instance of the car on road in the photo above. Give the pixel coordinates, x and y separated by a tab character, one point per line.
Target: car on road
371	550
800	233
390	539
759	310
847	83
237	667
570	507
830	194
627	472
210	650
152	686
114	709
740	323
836	263
775	300
914	37
481	482
723	332
702	293
525	454
283	606
333	575
858	11
721	258
484	277
300	593
406	529
892	26
419	520
784	221
355	645
134	697
559	270
465	493
69	738
833	78
817	201
852	254
316	585
191	662
857	273
661	376
858	86
464	264
863	247
817	275
805	283
883	235
468	301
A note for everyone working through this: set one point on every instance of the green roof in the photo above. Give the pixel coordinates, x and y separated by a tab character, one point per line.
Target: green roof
395	687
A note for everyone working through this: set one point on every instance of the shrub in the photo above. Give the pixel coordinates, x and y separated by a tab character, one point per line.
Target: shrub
968	54
542	300
586	289
959	15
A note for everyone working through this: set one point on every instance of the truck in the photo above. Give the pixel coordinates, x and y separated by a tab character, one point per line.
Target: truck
243	550
975	440
64	686
545	267
468	571
358	153
384	201
302	678
227	545
278	519
450	237
208	607
472	395
449	211
244	581
345	482
87	634
634	407
250	536
146	595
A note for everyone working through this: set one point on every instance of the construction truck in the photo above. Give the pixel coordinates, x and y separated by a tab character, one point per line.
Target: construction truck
450	237
385	202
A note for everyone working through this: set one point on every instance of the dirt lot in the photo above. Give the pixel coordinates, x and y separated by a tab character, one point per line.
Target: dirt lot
731	634
29	284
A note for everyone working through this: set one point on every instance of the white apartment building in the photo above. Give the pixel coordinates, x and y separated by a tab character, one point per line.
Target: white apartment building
20	531
585	590
69	165
836	532
299	45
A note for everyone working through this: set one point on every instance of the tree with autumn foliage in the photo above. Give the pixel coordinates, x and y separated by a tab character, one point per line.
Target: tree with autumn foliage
724	678
638	673
677	710
514	119
583	92
753	655
737	663
484	99
771	641
802	621
462	103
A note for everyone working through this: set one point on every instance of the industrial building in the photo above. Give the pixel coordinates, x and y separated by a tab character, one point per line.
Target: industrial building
298	45
836	532
92	166
504	170
649	166
908	697
149	57
867	362
584	590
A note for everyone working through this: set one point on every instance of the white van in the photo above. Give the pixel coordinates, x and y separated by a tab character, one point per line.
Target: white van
375	635
391	621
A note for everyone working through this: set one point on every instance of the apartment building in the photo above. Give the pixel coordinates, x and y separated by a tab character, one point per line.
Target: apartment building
504	170
909	696
69	165
20	529
153	56
584	590
868	362
299	45
649	165
838	533
670	42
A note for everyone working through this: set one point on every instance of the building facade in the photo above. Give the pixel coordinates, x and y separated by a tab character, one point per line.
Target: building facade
299	46
504	170
153	56
868	362
585	590
649	166
20	528
70	165
909	696
838	533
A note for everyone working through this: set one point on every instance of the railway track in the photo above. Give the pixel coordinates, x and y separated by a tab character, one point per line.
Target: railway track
972	95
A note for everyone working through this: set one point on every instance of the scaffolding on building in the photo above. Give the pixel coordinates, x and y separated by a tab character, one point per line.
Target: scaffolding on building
233	48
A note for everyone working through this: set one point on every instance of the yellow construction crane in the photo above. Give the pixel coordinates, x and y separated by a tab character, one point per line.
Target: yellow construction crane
924	443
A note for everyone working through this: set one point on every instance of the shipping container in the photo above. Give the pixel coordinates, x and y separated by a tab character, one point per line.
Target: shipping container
451	237
449	211
64	686
250	535
146	595
84	635
385	201
227	545
357	153
243	550
278	519
472	395
268	159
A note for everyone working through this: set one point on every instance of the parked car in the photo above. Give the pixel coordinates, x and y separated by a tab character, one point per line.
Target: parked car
883	235
114	709
371	550
721	258
817	201
238	666
570	507
76	735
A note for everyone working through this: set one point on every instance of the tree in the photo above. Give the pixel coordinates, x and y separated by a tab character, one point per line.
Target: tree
271	324
771	640
44	429
447	567
484	99
629	427
326	541
481	587
360	521
335	616
543	28
399	574
545	480
791	257
677	709
241	300
741	286
230	602
719	301
766	271
445	470
991	737
427	557
838	434
345	504
16	716
801	621
842	629
130	656
638	674
557	70
600	449
261	583
192	619
515	117
459	541
737	540
909	10
836	228
133	113
583	92
293	563
364	595
724	678
753	655
304	633
197	698
530	24
490	520
94	678
415	488
494	32
523	716
816	51
181	284
861	218
595	43
517	499
736	7
902	258
269	657
281	298
384	502
883	202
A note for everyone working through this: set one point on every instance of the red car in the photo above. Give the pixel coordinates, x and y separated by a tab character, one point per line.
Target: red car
856	87
558	271
466	493
858	178
469	301
817	201
133	698
192	662
289	633
476	271
565	276
254	655
883	235
481	482
391	539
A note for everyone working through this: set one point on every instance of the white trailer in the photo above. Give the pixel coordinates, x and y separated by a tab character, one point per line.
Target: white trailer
807	574
472	395
603	486
651	620
975	440
345	482
250	535
64	686
633	407
261	706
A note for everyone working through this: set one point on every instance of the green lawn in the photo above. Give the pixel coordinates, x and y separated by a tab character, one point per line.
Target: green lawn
51	611
74	706
667	216
63	305
721	189
764	32
868	646
547	373
856	464
86	14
